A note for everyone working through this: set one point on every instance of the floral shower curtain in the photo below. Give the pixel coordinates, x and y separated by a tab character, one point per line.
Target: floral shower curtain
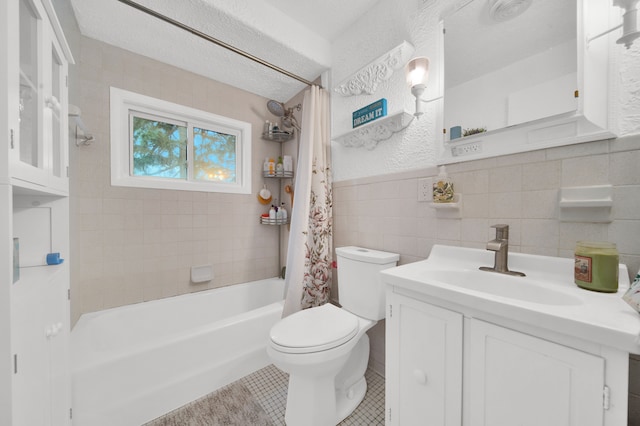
309	255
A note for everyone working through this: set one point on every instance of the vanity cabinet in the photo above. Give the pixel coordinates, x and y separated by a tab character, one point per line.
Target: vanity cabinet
423	363
446	367
39	133
517	379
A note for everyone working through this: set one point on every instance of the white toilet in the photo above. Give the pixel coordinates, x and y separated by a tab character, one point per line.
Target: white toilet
325	350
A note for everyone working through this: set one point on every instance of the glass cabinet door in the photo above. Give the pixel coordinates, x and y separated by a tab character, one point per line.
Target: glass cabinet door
39	161
30	85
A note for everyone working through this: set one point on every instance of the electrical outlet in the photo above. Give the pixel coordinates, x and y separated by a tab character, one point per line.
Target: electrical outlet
425	189
467	149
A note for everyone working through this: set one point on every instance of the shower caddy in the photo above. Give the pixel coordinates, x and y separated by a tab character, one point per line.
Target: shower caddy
277	137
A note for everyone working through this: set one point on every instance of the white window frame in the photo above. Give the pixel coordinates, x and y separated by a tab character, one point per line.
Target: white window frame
123	101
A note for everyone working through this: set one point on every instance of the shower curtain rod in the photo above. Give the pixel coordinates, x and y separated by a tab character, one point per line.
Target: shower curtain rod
216	41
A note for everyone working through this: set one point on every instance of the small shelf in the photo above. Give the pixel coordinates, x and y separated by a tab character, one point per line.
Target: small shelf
269	221
278	136
368	135
591	204
448	210
281	175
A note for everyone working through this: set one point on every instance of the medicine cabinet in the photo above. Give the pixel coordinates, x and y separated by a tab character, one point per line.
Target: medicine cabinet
532	80
39	143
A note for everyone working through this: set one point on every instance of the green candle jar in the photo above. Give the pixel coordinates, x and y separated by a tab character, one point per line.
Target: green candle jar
596	266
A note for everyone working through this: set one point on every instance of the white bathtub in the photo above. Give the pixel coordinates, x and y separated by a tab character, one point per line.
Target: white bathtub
135	363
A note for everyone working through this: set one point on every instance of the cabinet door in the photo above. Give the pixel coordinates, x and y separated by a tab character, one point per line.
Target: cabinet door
28	156
517	379
40	340
424	364
39	152
55	115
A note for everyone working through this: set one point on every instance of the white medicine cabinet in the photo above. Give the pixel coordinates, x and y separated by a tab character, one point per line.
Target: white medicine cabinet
525	82
39	138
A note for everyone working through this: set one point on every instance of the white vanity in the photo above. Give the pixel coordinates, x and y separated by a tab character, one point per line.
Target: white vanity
469	347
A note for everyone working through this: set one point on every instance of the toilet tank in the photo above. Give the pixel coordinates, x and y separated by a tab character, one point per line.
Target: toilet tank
361	290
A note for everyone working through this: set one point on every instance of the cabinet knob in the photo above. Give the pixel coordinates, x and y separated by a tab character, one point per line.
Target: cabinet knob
420	376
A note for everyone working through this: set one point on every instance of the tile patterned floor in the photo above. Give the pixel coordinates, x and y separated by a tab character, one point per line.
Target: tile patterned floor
269	387
267	390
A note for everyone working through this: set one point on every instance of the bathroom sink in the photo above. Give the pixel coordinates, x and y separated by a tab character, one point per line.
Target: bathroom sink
513	287
546	298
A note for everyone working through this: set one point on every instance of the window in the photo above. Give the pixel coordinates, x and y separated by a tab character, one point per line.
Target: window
159	144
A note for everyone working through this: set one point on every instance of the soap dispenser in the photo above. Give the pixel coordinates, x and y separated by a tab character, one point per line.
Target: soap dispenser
443	188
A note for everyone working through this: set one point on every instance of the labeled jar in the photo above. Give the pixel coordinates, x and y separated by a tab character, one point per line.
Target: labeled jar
596	266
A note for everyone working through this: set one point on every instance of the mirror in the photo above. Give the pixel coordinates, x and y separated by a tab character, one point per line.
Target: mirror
511	63
502	71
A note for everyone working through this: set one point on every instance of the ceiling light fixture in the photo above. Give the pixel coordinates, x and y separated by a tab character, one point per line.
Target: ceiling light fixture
503	10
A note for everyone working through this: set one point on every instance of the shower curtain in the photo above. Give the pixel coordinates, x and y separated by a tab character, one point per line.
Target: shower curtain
309	255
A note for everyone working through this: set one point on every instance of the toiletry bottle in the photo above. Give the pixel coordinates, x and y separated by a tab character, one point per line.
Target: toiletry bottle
279	166
265	166
287	160
272	212
267	127
283	212
443	188
272	167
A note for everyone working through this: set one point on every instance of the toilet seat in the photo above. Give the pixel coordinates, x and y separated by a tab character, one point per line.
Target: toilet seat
314	330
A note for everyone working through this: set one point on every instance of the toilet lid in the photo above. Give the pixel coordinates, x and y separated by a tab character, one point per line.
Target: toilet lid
314	330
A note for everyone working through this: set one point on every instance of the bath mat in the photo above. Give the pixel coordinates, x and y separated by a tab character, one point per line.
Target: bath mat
229	406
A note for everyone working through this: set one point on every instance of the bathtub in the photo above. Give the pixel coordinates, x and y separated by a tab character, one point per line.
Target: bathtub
135	363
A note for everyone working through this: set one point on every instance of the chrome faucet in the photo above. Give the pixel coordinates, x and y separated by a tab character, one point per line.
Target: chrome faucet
501	248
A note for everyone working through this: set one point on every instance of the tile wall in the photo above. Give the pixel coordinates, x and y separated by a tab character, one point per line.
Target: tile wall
521	190
132	245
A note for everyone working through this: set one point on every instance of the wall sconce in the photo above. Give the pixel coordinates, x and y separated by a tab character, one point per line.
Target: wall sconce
417	71
629	23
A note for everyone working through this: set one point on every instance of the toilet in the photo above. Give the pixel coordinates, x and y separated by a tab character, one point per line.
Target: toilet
325	350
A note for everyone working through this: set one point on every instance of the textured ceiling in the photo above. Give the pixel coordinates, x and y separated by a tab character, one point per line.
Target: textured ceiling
295	35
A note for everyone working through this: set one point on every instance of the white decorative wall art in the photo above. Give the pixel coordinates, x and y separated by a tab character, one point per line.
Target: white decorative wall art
370	134
366	80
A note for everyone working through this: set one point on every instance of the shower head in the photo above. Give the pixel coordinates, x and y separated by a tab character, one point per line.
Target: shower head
276	108
279	110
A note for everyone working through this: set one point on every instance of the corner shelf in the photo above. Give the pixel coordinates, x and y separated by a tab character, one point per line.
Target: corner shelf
367	78
269	221
278	136
281	175
591	204
368	135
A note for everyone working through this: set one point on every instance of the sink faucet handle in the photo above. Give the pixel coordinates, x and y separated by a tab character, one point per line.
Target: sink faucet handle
502	231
